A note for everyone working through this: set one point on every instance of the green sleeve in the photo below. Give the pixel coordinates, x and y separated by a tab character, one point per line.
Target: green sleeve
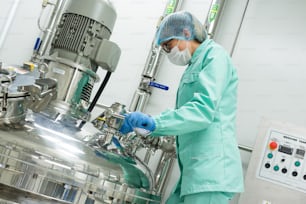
199	112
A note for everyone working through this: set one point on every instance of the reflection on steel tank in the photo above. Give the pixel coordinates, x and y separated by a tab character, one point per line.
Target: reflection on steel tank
49	151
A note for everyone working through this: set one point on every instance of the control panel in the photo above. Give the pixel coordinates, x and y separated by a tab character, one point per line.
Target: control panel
283	160
276	172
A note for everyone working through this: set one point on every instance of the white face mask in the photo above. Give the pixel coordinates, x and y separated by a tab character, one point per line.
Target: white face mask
179	57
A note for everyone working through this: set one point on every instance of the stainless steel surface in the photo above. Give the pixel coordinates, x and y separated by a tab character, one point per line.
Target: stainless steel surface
154	58
18	92
101	11
41	93
114	115
54	155
49	32
79	46
12	101
48	158
75	82
163	170
109	122
83	32
213	17
141	98
153	61
55	160
245	148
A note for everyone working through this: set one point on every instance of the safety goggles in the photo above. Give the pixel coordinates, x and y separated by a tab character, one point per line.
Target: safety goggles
167	46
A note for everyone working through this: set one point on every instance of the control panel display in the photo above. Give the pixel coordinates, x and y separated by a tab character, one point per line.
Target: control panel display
286	150
300	153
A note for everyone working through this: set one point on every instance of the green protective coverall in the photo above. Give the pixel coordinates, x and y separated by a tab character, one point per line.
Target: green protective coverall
205	124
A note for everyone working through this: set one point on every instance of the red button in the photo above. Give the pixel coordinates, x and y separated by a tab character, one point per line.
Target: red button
273	145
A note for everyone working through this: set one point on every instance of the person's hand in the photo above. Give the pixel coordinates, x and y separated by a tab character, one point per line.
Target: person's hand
126	126
141	120
137	120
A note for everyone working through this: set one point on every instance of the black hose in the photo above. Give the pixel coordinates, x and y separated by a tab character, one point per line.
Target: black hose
99	92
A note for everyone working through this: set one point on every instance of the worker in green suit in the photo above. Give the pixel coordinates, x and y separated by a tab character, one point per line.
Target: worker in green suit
204	119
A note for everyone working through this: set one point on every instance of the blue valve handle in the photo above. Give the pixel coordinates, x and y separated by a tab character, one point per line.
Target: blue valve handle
37	44
157	85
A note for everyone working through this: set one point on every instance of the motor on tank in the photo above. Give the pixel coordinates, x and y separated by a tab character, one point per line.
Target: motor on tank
49	152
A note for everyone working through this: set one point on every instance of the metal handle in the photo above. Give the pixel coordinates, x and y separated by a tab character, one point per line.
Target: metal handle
157	85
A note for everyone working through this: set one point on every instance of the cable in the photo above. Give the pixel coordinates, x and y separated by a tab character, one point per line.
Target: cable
99	92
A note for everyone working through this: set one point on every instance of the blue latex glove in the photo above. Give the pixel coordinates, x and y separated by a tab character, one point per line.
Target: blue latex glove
126	127
141	120
137	120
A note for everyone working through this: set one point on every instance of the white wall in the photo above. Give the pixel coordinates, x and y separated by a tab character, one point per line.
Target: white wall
269	55
23	31
134	31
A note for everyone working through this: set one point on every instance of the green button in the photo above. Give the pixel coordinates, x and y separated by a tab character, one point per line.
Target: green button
270	155
276	168
297	163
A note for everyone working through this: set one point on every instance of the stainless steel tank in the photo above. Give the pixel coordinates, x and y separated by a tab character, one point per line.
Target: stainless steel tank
44	158
47	157
12	108
49	153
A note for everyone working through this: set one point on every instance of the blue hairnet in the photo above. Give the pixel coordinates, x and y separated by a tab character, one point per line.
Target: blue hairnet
173	25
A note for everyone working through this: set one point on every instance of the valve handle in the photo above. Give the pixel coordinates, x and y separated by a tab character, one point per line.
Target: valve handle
157	85
37	44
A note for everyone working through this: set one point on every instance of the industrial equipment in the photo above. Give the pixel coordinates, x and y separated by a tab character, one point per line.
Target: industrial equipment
49	152
277	173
